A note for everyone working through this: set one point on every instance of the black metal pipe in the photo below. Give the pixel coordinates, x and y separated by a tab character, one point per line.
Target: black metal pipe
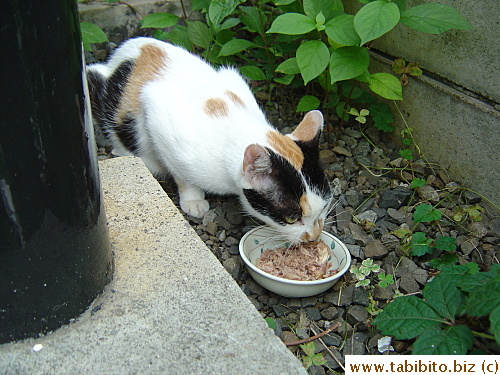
55	254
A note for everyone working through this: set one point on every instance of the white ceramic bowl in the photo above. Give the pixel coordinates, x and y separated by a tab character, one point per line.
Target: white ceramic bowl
259	239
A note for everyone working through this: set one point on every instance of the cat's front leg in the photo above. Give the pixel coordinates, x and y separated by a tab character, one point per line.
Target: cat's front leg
192	199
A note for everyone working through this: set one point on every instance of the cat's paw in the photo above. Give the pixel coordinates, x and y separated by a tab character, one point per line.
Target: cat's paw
195	208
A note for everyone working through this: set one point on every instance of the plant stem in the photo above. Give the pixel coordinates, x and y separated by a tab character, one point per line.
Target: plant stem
485	335
312	338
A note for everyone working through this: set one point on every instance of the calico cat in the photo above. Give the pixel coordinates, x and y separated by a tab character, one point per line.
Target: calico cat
204	127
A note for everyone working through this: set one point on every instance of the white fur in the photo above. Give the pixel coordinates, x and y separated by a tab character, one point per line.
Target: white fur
202	152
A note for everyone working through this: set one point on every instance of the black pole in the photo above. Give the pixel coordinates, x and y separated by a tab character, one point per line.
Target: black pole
55	255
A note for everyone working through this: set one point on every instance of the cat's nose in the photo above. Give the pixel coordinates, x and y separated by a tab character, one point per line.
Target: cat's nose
315	232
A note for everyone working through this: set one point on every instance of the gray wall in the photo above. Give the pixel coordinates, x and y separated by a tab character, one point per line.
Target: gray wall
453	108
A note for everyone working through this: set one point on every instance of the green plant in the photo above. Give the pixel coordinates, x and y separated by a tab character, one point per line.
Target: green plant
311	358
91	34
457	296
308	43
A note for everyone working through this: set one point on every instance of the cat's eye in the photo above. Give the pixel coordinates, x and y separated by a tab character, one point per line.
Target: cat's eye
291	219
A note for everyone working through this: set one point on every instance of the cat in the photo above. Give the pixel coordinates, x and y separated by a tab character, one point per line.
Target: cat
204	127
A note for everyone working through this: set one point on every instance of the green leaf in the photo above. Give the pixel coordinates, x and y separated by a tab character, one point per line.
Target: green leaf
375	19
309	348
454	340
386	85
308	103
200	4
199	34
445	243
482	301
159	20
312	58
285	80
406	154
341	30
230	22
251	17
434	18
91	34
220	9
234	46
443	295
446	260
292	24
179	36
253	72
382	117
271	323
348	62
495	324
289	66
480	279
385	280
406	317
425	213
417	182
420	244
314	7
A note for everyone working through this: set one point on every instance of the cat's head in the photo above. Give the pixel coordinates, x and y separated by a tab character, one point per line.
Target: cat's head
284	184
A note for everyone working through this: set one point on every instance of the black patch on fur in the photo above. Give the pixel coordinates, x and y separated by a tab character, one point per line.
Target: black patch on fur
105	97
312	169
126	131
284	199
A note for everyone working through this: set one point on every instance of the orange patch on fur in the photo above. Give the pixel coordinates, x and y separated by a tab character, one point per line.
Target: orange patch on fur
216	107
235	98
305	206
287	148
147	67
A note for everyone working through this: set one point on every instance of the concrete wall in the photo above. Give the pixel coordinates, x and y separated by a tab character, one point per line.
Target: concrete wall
454	107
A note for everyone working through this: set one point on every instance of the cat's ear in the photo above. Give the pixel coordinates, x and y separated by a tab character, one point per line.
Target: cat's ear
309	128
257	167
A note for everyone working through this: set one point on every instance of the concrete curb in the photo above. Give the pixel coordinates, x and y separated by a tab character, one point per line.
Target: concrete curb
170	309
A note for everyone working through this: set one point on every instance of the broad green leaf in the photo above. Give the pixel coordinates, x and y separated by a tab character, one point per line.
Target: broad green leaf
445	243
220	9
434	18
406	154
482	301
308	103
283	2
420	244
314	7
406	317
348	62
443	295
292	24
446	260
375	19
386	85
230	22
199	34
495	324
479	279
159	20
382	117
417	182
271	323
234	46
454	340
312	59
425	213
251	18
91	34
200	4
285	80
180	37
253	72
289	66
341	30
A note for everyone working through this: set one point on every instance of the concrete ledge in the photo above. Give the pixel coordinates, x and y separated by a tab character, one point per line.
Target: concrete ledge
170	309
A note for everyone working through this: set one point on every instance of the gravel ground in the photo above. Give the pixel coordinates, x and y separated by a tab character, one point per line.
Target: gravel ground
369	208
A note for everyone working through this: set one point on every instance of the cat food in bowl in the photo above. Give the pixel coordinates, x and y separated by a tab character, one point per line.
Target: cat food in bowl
297	271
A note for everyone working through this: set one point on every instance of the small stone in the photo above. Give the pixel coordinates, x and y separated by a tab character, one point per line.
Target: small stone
253	286
375	250
309	301
406	266
313	313
429	193
234	250
289	336
232	267
382	294
369	215
353	198
359	235
352	133
421	276
211	228
222	221
336	187
478	230
362	149
360	297
408	284
469	245
280	310
332	339
327	157
355	345
231	241
330	313
396	216
345	296
471	197
356	314
209	217
341	151
356	251
333	363
395	198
